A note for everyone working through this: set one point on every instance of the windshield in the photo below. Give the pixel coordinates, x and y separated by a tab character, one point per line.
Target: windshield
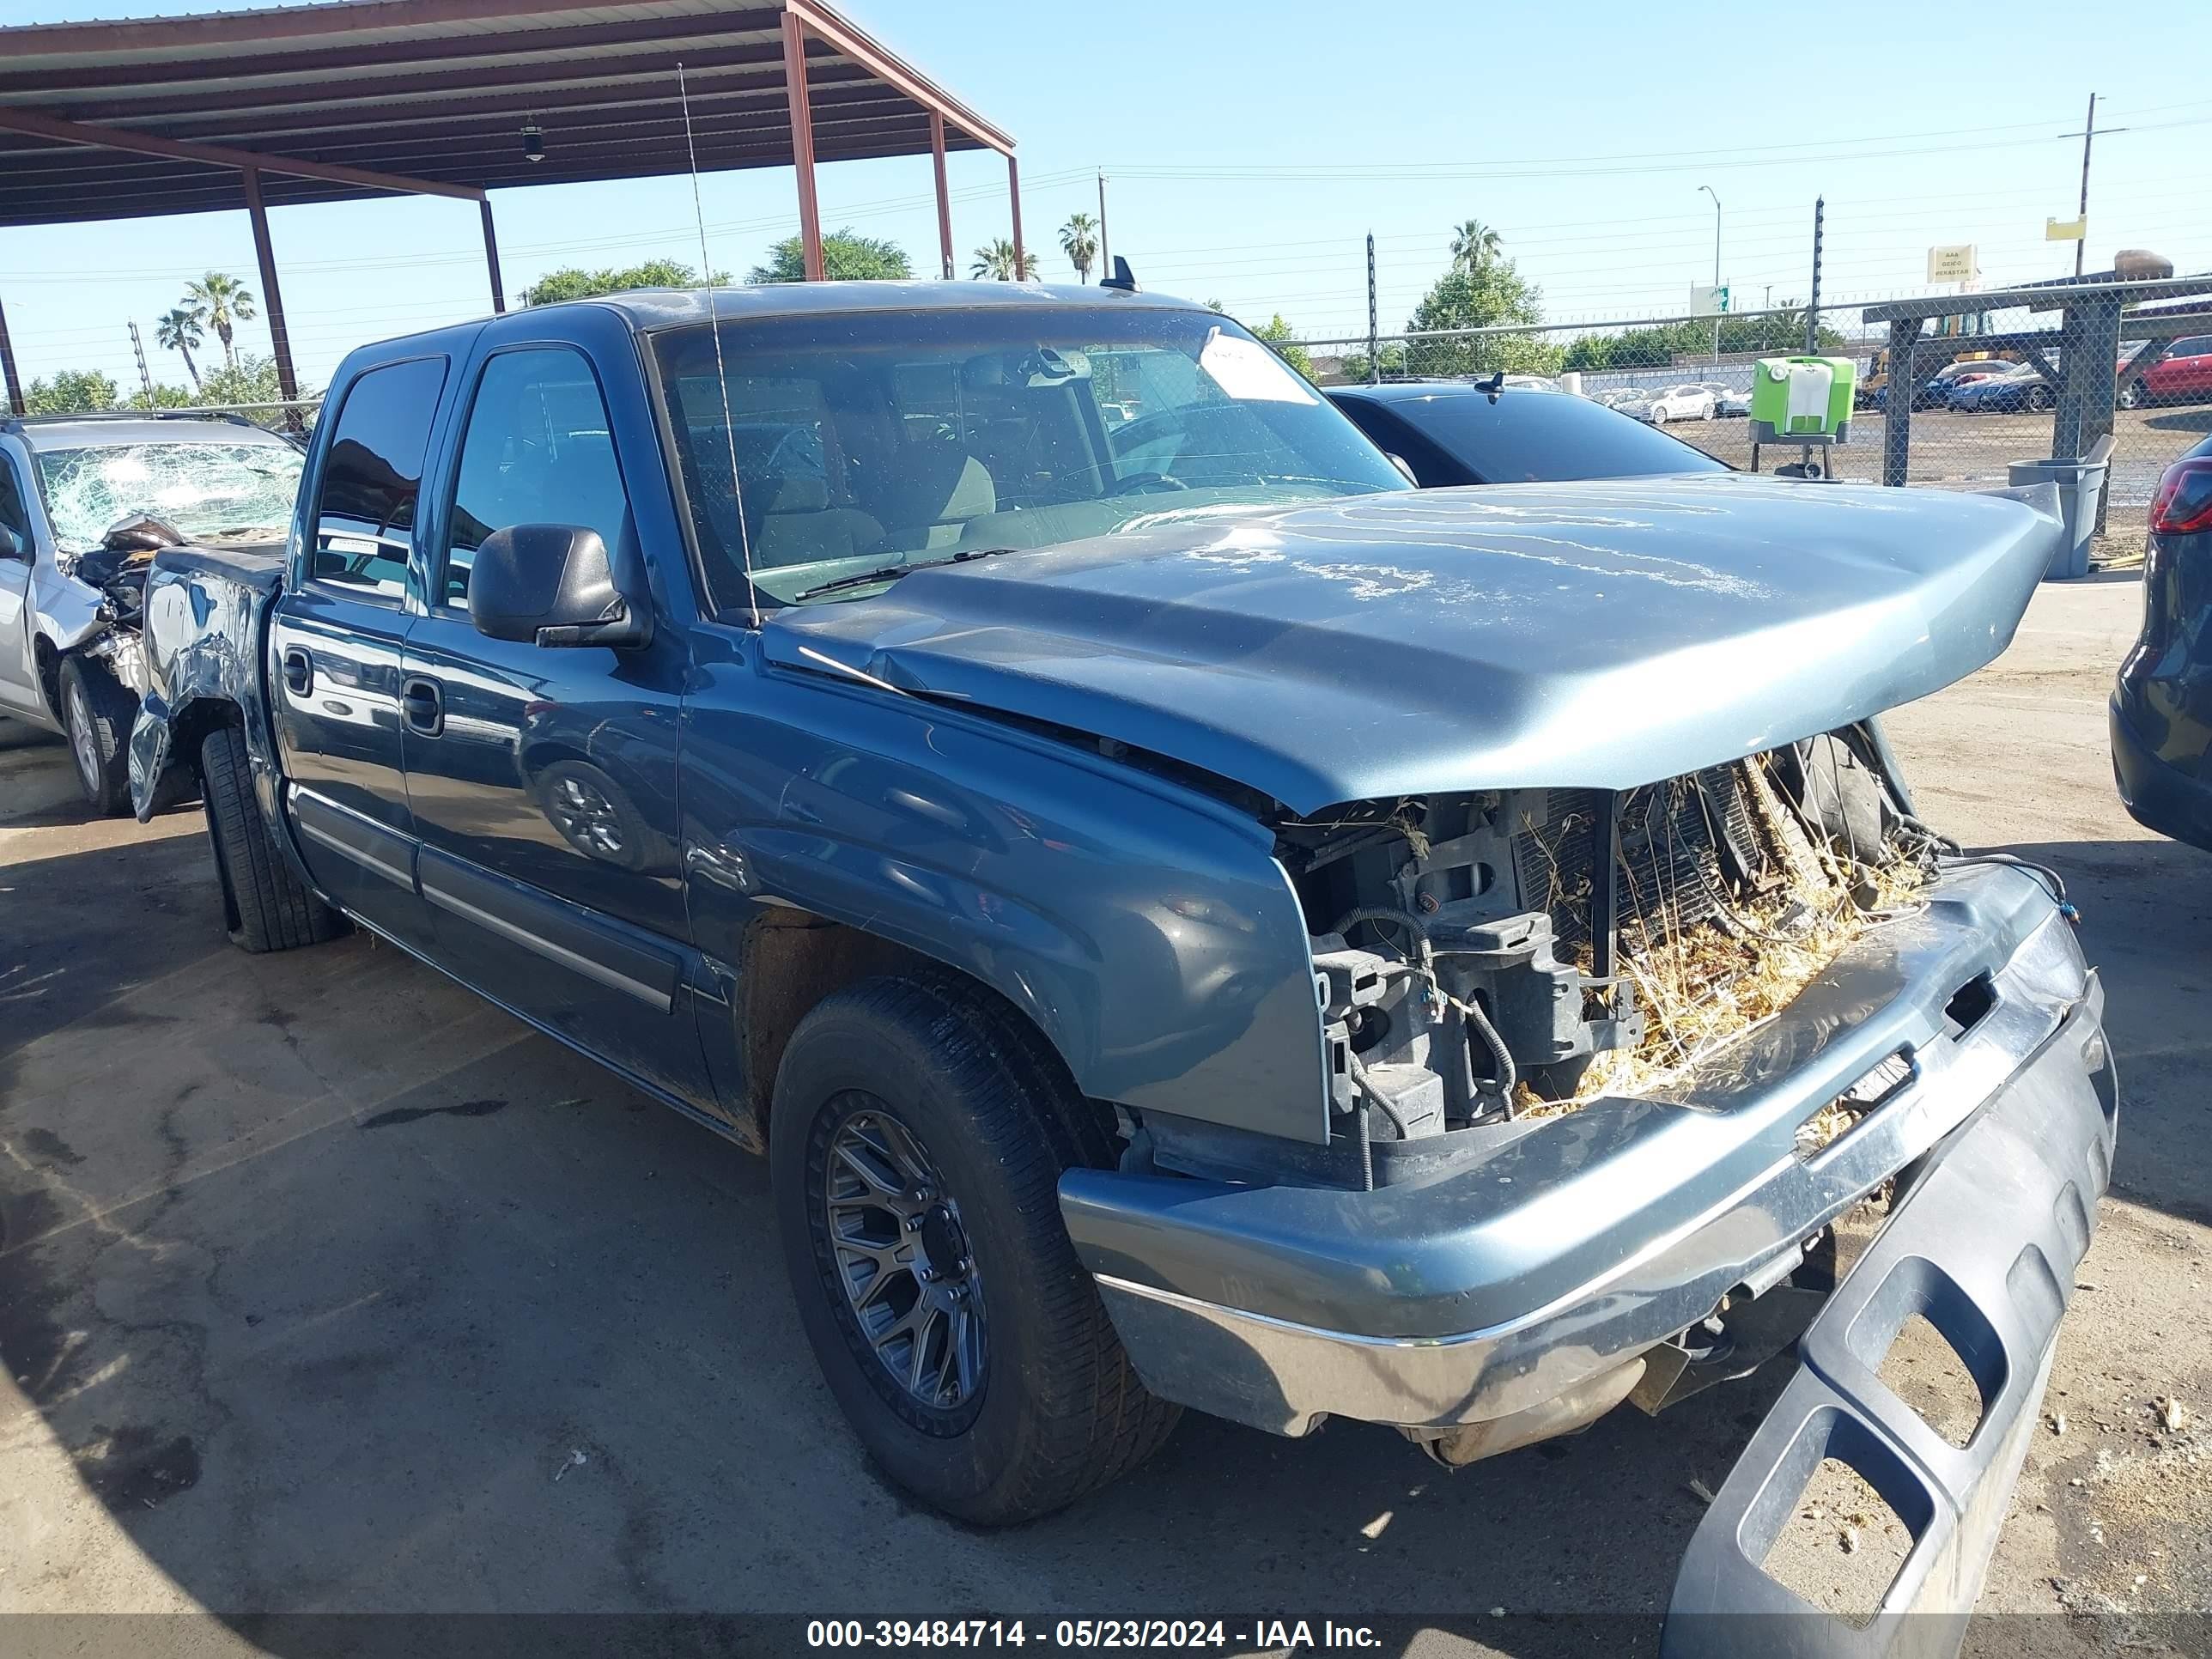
874	441
207	490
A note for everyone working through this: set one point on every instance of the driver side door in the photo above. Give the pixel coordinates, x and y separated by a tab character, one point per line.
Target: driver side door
19	676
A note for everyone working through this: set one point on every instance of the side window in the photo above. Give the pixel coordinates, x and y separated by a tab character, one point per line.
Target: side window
372	475
538	450
13	512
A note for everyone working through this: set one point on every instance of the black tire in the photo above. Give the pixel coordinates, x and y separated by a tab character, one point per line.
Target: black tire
2039	400
98	712
1058	1410
265	906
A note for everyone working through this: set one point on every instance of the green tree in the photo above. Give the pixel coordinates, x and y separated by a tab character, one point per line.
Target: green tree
574	283
1278	334
1353	365
1474	245
1495	294
222	301
164	397
1078	240
995	260
178	330
847	256
252	380
70	392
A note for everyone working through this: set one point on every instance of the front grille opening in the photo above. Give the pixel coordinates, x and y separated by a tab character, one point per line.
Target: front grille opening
1970	1005
1851	1109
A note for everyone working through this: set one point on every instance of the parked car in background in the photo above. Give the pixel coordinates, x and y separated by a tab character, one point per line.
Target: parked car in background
2161	712
1152	894
1937	393
84	501
2018	388
1727	400
2183	374
1688	402
1531	382
1449	432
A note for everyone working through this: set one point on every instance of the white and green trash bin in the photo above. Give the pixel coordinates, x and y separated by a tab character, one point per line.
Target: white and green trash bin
2080	481
1801	400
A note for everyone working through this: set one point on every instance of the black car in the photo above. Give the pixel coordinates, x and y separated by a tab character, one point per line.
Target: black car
1462	432
2162	706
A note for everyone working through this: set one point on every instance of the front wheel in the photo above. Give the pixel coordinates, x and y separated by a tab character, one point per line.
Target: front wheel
2132	395
2039	400
265	906
916	1140
97	714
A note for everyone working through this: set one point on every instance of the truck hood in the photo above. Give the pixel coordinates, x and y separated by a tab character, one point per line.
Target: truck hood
1595	634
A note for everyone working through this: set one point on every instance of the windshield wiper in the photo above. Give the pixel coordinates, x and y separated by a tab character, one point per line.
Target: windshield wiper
891	573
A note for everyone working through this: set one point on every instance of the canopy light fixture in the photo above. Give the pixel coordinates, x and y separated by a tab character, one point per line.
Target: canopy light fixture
533	141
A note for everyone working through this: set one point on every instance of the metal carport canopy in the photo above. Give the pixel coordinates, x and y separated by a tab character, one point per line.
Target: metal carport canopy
360	98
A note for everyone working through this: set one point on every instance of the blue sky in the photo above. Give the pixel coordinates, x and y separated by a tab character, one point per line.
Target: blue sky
1251	146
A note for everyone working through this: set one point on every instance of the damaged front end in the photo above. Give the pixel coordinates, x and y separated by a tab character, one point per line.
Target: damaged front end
1485	957
1607	1069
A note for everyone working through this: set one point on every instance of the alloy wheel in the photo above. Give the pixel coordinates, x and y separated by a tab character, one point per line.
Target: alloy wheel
902	1260
83	744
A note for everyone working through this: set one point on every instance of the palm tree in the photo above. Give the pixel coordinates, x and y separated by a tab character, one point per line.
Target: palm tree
178	330
1474	245
1078	240
995	259
220	302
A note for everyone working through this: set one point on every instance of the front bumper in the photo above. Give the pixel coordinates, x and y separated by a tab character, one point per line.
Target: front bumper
1516	1298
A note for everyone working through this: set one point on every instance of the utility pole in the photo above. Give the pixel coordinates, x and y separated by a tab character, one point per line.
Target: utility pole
1374	356
1813	304
1105	264
139	350
2088	137
1709	190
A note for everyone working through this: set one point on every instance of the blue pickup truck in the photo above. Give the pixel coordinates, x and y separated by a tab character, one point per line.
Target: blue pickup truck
1190	920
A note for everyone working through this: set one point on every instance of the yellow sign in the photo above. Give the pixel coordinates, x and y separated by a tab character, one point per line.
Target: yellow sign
1954	262
2065	230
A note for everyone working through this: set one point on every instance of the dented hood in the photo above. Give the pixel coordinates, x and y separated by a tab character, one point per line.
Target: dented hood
1598	635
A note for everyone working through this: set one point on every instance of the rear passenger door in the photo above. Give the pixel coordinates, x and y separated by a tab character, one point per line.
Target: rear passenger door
335	682
545	797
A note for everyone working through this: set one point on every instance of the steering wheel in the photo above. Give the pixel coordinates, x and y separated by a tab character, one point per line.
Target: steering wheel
1138	483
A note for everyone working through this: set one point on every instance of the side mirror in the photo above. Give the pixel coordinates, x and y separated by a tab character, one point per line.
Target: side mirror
11	545
553	585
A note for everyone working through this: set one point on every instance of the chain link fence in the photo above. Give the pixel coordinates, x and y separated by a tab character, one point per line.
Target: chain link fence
1989	383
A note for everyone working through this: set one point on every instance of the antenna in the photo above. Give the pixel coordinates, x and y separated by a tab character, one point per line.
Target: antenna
714	328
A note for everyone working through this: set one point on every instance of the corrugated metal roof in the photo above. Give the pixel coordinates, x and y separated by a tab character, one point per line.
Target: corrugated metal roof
436	90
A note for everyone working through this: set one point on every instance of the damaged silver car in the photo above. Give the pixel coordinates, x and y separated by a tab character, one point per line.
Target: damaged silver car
85	501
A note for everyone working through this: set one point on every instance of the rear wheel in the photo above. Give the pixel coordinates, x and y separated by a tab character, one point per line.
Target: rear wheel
916	1140
2132	395
265	908
2039	399
97	713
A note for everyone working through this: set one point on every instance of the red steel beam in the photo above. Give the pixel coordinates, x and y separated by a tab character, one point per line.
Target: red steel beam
46	126
944	196
802	142
272	296
826	24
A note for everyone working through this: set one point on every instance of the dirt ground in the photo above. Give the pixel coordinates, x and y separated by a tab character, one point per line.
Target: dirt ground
324	1286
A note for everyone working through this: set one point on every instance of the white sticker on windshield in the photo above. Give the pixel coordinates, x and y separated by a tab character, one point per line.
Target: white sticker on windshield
1245	369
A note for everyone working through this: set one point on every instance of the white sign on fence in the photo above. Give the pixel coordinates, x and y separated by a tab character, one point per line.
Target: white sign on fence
1708	301
1953	262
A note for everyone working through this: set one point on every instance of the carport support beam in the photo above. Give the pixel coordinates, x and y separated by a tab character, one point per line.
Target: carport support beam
491	257
944	196
7	367
1896	410
279	338
802	144
1014	196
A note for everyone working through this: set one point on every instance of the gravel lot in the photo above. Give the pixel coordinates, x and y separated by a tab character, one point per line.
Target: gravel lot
1972	452
324	1287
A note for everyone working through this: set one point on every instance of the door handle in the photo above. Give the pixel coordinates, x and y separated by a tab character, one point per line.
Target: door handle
422	705
299	670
